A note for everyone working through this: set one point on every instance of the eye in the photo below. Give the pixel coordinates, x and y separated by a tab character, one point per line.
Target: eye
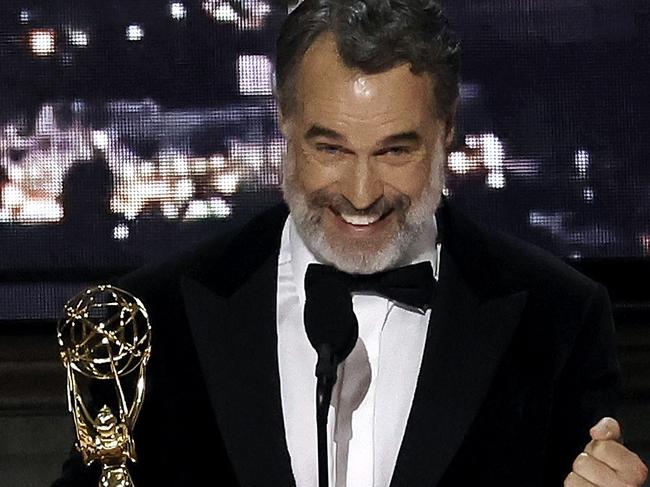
329	149
395	151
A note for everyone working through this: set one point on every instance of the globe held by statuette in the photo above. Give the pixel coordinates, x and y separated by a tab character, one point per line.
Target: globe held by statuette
105	332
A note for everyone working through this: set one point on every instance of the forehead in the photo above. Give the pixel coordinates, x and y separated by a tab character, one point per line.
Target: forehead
331	93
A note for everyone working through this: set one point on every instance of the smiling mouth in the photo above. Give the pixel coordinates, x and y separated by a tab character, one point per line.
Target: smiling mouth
361	221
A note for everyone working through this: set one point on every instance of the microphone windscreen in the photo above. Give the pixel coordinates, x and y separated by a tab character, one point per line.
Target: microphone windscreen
329	317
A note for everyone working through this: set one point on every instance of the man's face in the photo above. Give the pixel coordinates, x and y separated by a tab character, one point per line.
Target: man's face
364	167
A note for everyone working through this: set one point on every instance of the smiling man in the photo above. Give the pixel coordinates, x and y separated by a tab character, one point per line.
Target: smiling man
504	374
364	169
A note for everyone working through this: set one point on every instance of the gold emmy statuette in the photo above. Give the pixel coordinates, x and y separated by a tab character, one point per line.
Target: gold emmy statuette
105	342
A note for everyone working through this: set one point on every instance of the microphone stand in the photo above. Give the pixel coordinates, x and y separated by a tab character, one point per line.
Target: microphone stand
325	380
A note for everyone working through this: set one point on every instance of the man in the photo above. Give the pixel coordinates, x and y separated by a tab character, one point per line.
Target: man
501	379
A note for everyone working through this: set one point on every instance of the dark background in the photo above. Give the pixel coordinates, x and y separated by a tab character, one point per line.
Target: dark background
553	144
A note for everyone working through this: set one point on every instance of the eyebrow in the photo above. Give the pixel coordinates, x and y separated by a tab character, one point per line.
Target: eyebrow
320	131
402	137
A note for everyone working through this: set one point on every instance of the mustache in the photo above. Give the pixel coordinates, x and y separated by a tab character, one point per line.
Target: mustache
338	203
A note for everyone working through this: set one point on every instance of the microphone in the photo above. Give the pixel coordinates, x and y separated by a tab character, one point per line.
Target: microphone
332	329
330	323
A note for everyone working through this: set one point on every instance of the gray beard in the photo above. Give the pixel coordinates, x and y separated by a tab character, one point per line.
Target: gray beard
417	219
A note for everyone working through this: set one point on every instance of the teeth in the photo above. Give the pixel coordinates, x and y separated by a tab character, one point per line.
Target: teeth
359	219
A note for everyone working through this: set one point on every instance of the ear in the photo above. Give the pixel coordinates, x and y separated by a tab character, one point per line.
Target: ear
285	125
450	126
450	135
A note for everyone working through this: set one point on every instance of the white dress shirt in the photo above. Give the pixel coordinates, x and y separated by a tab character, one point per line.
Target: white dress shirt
386	363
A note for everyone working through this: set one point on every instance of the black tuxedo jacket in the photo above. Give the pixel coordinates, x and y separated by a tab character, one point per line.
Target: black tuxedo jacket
519	363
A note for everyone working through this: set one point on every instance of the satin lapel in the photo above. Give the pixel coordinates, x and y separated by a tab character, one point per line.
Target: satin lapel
466	338
236	341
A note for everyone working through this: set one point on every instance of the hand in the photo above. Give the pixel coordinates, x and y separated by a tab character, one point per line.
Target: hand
605	462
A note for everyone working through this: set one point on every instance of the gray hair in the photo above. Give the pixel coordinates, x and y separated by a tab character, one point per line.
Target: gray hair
373	36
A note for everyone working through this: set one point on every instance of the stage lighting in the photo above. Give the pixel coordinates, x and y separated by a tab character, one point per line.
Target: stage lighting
459	163
134	32
42	42
582	163
220	11
493	152
496	180
177	10
78	38
255	75
220	208
121	232
227	183
100	139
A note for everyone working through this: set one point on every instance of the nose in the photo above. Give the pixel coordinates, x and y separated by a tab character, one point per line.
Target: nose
361	184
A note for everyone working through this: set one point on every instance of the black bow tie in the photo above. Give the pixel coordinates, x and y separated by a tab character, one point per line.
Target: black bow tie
412	285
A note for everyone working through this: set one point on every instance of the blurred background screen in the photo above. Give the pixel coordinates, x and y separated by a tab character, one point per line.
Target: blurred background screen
132	129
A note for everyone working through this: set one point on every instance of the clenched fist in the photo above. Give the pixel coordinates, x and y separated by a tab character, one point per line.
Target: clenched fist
605	462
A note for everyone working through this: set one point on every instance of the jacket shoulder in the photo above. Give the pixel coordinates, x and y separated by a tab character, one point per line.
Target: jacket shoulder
508	262
220	258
